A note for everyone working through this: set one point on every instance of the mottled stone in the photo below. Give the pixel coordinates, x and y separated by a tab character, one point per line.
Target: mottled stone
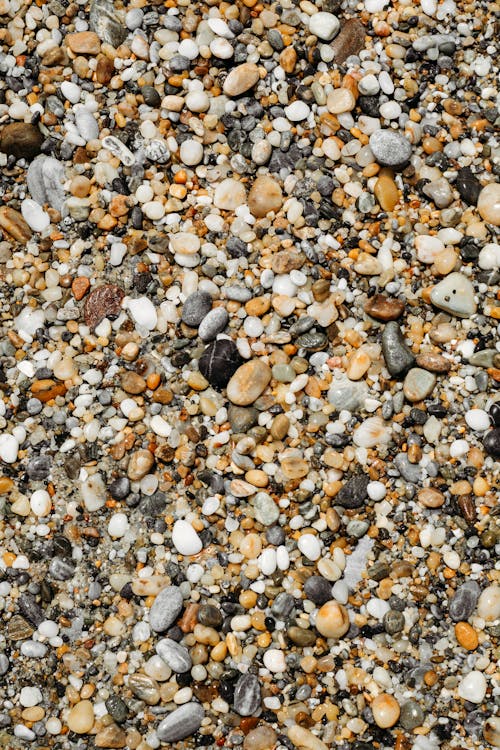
397	355
247	695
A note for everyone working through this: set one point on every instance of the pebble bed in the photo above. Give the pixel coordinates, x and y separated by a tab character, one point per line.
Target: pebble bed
250	408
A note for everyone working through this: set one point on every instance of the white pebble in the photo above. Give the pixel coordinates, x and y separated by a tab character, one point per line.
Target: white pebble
30	696
477	419
376	491
185	539
8	448
310	546
40	503
143	312
191	152
71	91
473	687
34	215
297	111
118	525
274	660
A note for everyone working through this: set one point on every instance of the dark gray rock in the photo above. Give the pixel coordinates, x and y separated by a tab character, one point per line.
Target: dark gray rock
464	601
247	696
397	355
196	306
181	723
353	494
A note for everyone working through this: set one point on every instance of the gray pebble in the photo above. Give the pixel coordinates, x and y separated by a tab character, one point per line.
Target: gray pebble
353	494
390	148
213	323
175	655
181	723
464	601
195	308
247	697
166	608
397	355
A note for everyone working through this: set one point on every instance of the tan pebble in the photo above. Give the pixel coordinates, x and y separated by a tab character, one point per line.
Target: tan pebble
84	43
488	203
358	364
258	306
251	546
133	383
293	464
340	100
33	713
304	738
332	620
430	497
13	223
288	58
111	737
260	738
466	636
385	709
445	261
248	382
265	195
280	427
81	717
384	308
386	191
257	477
241	79
140	463
491	731
488	606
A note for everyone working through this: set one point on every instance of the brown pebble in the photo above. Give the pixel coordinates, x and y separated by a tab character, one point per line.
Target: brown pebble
111	737
139	465
430	497
466	636
21	139
80	287
84	43
433	362
133	383
280	426
103	302
384	308
349	41
386	191
265	195
13	223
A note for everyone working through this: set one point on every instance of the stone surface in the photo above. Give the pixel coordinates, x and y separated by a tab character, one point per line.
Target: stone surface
354	492
21	139
349	41
248	382
195	308
181	723
219	362
397	355
166	609
488	203
265	195
175	655
102	302
390	148
455	294
241	79
247	695
418	384
384	308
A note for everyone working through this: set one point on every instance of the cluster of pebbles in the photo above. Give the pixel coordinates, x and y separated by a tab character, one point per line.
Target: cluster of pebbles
249	414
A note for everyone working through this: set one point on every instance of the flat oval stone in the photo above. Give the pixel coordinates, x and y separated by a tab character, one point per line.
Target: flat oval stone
464	601
181	723
247	696
166	608
390	148
195	308
103	302
492	443
266	510
433	362
418	384
248	382
455	294
241	79
144	688
349	41
384	308
397	355
175	655
213	323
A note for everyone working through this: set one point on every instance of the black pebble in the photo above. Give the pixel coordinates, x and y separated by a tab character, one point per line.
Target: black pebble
219	362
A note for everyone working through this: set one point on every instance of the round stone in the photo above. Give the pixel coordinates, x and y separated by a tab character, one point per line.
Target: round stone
191	152
213	323
185	539
247	695
455	294
195	308
488	606
181	723
473	687
81	717
332	620
265	196
488	203
241	79
385	709
390	148
218	363
229	194
411	715
418	384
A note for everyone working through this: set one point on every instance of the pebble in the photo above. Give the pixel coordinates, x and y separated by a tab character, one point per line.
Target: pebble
398	357
185	539
473	687
81	717
21	140
488	203
181	723
213	323
195	308
219	362
175	655
418	384
248	382
241	79
324	25
332	620
247	695
165	609
390	148
265	195
386	710
455	294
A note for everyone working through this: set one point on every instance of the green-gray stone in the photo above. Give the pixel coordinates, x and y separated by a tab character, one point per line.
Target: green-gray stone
266	510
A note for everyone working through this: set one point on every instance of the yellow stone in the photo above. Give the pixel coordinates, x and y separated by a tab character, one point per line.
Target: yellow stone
81	717
386	191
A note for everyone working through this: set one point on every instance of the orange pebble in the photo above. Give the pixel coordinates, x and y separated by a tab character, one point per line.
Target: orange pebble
466	636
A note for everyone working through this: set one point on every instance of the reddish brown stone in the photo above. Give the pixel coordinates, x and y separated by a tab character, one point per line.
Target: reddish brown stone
21	139
384	308
103	302
350	40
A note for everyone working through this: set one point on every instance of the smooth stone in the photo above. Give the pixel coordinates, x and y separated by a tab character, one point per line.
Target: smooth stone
265	195
488	605
439	191
384	308
241	79
213	323
81	717
117	708
488	203
468	186
12	222
473	687
219	362
464	601
418	384
345	394
455	294
181	723
266	510
397	355
318	589
175	655
185	539
248	382
385	709
229	194
390	148
144	688
483	358
349	41
491	730
433	362
354	492
21	139
411	716
410	472
195	308
262	737
44	178
324	25
107	22
166	608
491	442
332	620
247	696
